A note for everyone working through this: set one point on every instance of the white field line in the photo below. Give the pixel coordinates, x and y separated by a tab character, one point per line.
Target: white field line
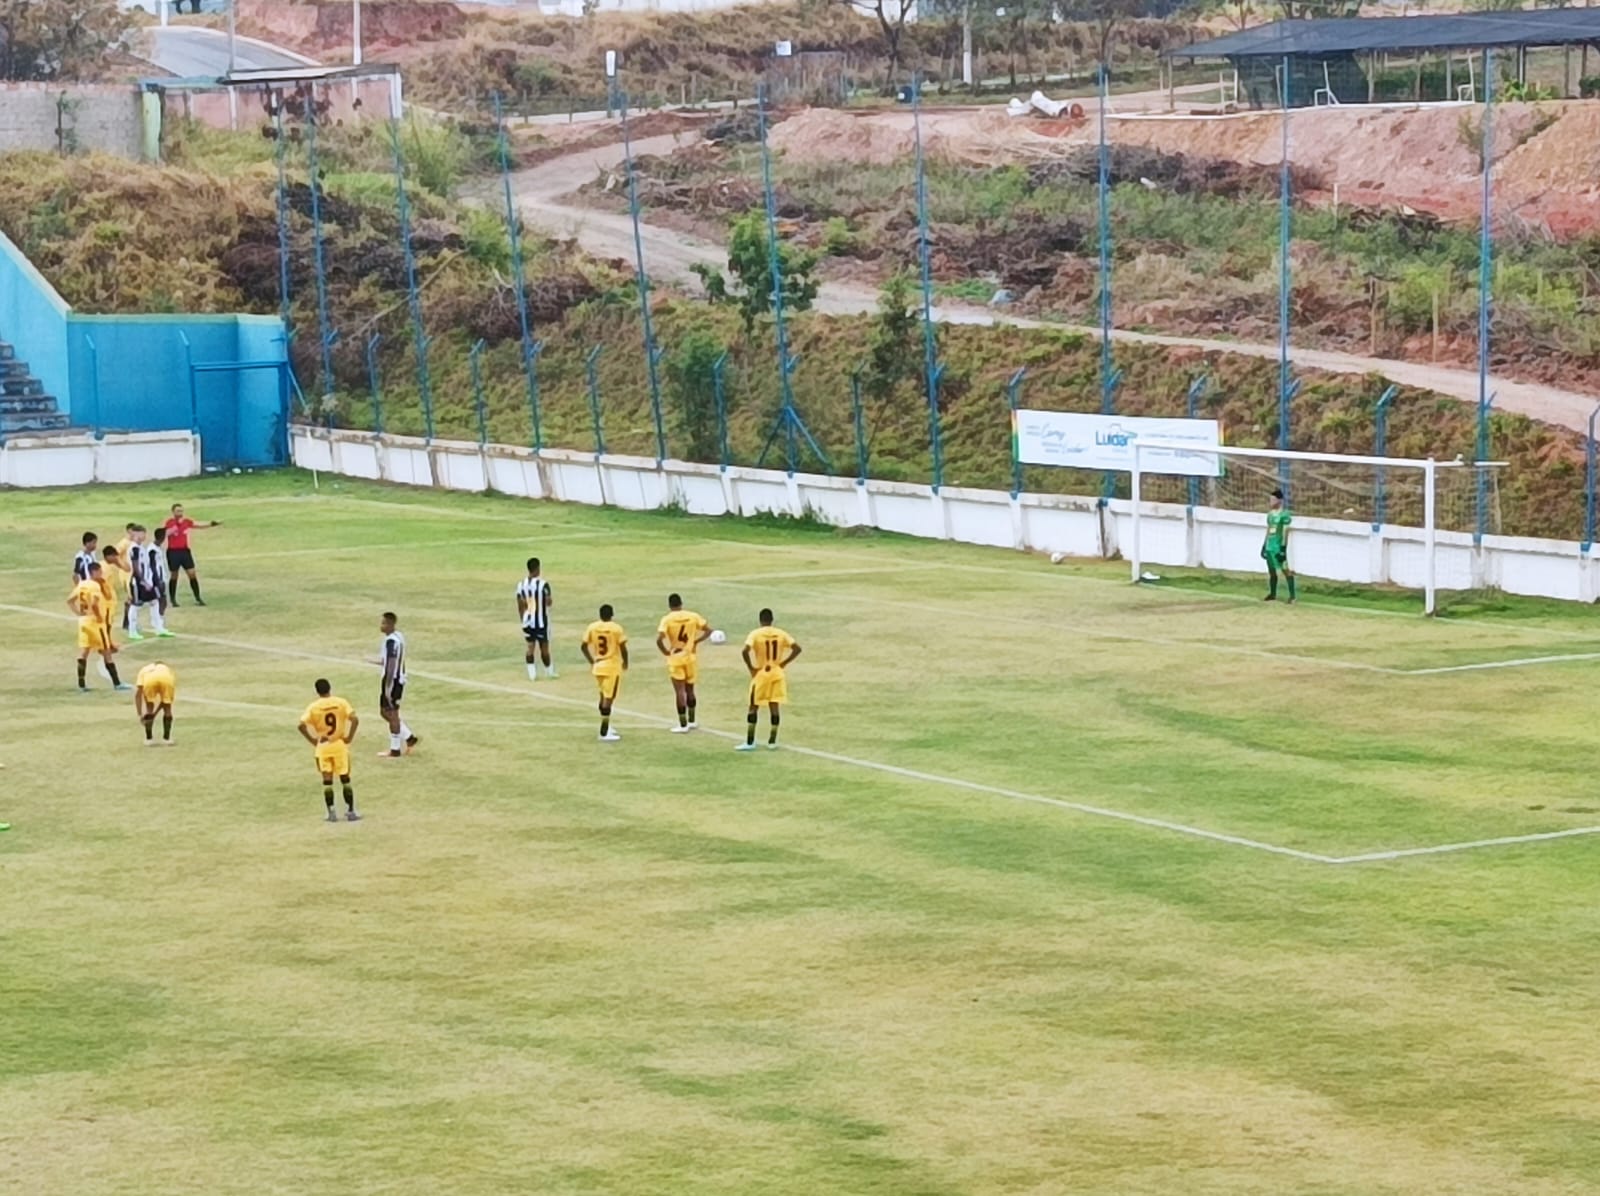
289	713
405	546
1502	664
908	773
1442	848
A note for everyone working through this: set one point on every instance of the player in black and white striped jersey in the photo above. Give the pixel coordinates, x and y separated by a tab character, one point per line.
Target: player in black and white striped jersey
393	659
145	582
86	559
533	607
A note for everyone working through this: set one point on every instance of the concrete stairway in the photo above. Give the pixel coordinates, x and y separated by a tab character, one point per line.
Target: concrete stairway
24	407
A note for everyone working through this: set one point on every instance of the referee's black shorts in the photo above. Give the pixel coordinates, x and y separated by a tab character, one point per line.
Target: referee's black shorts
179	558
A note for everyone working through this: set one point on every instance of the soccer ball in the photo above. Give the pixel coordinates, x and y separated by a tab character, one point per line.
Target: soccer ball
1056	558
718	638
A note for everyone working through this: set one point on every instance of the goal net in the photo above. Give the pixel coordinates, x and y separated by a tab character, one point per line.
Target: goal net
1354	518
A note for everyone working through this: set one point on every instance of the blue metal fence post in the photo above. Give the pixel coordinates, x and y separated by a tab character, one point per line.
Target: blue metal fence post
858	422
1380	445
1287	386
1589	485
282	152
1013	401
194	385
475	364
933	371
788	421
1485	292
94	388
326	334
372	383
419	332
591	369
652	352
1191	410
530	350
720	395
1110	376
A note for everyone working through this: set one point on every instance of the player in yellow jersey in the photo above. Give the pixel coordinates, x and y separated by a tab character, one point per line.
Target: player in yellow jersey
155	689
678	638
605	647
329	724
114	580
768	651
88	602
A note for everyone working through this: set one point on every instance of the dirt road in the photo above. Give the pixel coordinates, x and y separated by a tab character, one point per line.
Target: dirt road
669	256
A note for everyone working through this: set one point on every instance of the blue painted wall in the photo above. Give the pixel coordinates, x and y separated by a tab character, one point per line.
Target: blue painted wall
132	373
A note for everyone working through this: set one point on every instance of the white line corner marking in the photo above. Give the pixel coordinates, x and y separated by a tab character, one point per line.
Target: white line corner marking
931	778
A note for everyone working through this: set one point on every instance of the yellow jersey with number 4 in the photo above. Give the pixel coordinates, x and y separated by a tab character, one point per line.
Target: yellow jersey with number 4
682	630
90	600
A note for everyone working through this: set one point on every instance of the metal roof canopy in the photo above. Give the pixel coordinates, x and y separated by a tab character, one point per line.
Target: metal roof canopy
1458	31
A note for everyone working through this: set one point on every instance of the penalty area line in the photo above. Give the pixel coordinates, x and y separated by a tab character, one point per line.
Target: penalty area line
896	770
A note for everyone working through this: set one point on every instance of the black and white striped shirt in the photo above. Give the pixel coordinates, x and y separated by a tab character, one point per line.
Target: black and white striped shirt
141	562
534	594
394	658
81	563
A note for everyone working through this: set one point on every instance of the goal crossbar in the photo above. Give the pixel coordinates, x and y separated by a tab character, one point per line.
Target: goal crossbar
1143	450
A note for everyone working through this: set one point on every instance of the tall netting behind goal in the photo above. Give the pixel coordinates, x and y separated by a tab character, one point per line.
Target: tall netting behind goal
1378	492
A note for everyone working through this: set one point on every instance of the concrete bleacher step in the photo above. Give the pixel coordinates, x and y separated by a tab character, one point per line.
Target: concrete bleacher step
11	424
7	352
21	387
34	404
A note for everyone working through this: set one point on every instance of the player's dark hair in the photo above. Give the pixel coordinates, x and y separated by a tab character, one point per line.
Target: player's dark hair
110	551
90	538
94	565
766	616
674	601
605	611
161	535
323	687
391	616
132	527
1278	494
533	564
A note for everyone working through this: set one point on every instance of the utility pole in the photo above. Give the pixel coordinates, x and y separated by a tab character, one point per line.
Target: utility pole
233	43
355	33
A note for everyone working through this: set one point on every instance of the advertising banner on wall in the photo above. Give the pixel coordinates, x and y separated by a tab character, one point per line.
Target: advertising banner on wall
1106	442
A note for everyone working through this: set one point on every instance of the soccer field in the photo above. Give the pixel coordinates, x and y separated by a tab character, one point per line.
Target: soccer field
1057	885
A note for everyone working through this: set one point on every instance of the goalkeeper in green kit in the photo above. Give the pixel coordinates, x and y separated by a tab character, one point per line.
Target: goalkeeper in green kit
1275	549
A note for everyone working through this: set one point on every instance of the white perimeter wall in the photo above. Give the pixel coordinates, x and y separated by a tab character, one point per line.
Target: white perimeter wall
1170	534
117	457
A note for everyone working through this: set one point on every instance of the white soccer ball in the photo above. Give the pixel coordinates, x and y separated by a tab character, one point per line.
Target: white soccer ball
718	638
1056	558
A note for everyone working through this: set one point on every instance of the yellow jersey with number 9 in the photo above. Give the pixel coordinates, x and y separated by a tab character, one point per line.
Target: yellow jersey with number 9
328	718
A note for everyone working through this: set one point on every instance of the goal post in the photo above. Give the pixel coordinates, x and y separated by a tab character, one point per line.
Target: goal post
1361	495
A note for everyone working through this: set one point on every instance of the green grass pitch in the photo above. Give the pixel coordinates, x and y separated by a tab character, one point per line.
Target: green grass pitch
1059	886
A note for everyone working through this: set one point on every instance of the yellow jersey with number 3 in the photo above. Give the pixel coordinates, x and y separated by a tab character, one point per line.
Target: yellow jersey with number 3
604	640
328	718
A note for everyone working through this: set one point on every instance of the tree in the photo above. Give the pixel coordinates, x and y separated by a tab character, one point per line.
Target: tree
895	351
690	380
891	16
750	262
58	39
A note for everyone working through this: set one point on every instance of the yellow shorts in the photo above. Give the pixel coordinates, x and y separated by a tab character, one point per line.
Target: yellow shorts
333	759
682	666
610	684
160	694
94	636
767	686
